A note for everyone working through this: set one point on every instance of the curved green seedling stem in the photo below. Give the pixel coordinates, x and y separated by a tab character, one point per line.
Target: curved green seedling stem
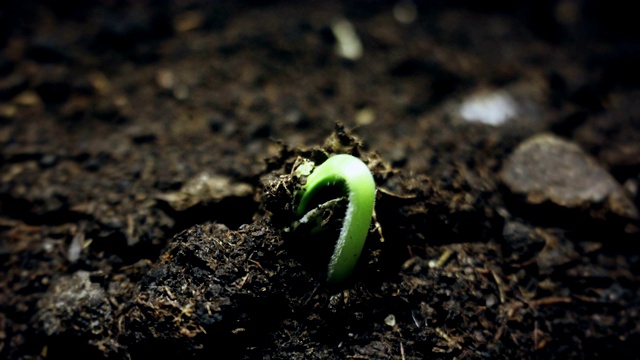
361	192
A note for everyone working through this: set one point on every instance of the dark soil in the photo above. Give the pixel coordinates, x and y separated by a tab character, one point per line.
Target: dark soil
147	196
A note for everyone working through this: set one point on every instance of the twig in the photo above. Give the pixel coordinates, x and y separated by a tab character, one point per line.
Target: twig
500	285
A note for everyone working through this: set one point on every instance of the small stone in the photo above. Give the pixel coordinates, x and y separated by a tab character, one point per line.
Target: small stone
348	44
365	116
491	300
493	108
390	320
548	168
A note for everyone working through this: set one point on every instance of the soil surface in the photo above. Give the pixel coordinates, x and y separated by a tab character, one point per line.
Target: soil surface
148	187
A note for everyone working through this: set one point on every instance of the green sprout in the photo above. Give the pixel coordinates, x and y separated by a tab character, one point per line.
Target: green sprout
360	190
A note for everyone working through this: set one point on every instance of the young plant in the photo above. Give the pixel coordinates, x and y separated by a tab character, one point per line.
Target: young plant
360	191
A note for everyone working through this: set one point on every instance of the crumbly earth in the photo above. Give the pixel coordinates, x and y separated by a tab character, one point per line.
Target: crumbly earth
147	184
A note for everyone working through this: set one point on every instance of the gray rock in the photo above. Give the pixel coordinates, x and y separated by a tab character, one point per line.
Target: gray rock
547	168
